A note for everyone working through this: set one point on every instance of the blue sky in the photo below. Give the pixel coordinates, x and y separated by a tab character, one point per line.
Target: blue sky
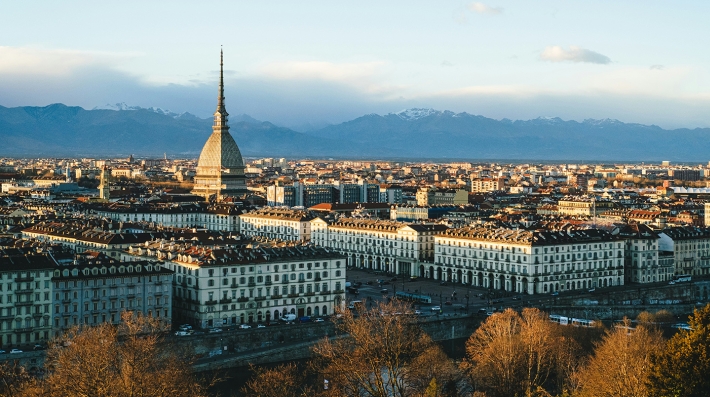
295	63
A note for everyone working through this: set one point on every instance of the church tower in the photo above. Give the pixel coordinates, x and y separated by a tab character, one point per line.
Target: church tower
104	190
220	169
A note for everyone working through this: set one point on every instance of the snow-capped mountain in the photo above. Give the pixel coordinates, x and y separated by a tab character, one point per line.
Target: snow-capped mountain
416	113
122	106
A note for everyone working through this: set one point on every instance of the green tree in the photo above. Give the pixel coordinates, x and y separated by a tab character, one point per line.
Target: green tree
682	368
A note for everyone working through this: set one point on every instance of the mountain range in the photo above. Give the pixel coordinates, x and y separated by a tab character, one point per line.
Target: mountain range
117	130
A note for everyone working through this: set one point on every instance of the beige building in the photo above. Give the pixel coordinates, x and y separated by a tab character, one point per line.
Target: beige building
583	206
275	223
483	185
432	196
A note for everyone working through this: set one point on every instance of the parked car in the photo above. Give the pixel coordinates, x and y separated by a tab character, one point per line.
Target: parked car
417	312
436	308
2	351
15	351
384	291
447	303
244	326
181	333
260	326
214	330
318	320
555	293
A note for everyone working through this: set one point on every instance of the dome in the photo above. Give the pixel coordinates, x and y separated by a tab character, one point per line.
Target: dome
220	151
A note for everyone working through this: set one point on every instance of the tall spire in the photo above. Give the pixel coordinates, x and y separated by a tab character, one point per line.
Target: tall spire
221	79
220	116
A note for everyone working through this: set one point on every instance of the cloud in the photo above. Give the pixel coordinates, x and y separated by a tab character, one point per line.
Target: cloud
446	63
481	8
316	70
574	54
656	67
36	61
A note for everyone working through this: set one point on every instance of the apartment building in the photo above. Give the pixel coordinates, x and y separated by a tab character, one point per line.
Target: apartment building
25	297
532	262
276	223
643	265
253	284
583	206
395	247
224	217
483	185
691	249
98	291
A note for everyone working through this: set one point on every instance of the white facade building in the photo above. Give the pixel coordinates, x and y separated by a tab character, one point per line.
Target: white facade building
528	262
274	223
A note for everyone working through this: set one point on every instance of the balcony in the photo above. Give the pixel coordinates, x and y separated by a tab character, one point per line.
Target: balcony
243	299
275	296
234	286
292	295
268	283
325	292
225	300
28	303
309	294
96	298
24	291
22	330
211	302
317	279
260	298
284	281
252	284
338	291
24	279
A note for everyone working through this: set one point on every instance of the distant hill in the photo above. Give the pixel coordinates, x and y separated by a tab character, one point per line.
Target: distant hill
60	130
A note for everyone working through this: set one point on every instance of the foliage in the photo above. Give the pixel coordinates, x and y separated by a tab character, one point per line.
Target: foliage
621	362
383	352
681	368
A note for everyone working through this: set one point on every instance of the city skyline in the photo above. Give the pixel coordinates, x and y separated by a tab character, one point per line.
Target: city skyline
503	59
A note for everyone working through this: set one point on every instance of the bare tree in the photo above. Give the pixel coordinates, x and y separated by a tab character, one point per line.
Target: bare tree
117	361
381	352
281	381
620	366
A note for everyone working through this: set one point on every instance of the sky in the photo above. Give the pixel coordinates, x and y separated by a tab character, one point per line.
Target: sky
304	64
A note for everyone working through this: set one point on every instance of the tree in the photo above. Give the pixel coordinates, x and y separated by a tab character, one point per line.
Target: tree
117	361
620	364
381	352
512	354
281	381
681	368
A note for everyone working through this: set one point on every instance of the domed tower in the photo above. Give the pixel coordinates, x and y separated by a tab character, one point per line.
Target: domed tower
220	169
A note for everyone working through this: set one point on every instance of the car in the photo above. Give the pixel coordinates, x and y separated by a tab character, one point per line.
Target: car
671	282
15	351
358	284
592	290
214	330
435	308
318	320
385	282
489	313
2	352
260	326
244	326
481	311
185	327
555	293
38	347
516	298
418	312
447	303
384	291
181	333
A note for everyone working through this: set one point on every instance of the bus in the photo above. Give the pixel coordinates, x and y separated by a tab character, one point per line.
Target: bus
418	298
683	278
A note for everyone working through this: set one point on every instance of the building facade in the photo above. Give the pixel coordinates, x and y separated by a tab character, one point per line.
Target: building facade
532	262
274	223
394	247
96	293
691	249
